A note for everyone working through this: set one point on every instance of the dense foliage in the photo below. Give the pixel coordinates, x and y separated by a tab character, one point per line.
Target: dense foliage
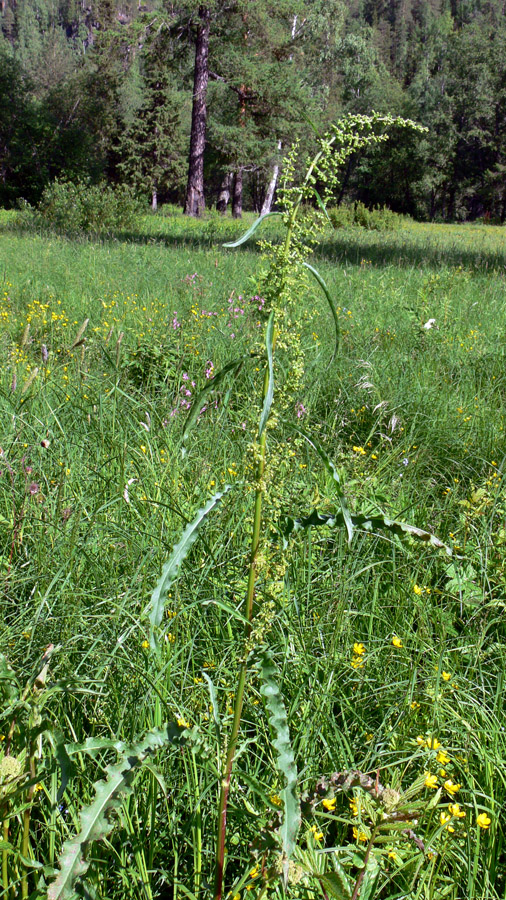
103	90
383	692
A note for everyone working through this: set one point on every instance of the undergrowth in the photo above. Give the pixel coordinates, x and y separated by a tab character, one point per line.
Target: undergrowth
385	659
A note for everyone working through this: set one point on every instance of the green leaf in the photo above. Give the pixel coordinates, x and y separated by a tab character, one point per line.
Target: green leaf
211	385
372	871
269	334
330	303
321	204
214	704
246	236
336	883
367	523
285	760
171	568
108	796
331	469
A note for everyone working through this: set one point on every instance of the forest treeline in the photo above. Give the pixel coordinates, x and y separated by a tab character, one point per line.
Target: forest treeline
126	91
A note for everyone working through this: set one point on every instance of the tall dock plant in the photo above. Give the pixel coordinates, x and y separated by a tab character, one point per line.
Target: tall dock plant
286	277
303	208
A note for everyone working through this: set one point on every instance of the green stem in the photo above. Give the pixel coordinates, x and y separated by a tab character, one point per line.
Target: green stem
358	883
5	867
241	685
197	843
25	845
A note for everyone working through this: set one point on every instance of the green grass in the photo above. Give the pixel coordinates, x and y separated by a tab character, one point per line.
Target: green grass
415	420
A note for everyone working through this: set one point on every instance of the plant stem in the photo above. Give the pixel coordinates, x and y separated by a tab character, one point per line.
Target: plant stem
5	853
356	889
239	694
25	846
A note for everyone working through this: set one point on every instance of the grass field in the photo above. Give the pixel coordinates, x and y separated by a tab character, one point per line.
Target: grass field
388	654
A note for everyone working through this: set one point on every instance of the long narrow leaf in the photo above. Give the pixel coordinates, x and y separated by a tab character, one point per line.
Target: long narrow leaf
246	236
285	760
269	334
331	469
330	302
321	204
367	523
172	566
95	824
211	385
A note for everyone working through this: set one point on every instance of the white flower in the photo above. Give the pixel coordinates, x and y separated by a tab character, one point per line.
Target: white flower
126	495
429	324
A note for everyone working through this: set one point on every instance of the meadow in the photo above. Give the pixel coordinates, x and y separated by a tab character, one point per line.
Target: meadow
381	666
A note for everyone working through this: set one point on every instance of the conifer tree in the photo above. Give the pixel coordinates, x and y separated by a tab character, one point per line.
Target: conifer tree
152	148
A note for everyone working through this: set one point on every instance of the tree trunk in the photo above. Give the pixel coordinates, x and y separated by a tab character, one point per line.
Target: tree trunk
271	187
154	199
194	202
237	195
224	196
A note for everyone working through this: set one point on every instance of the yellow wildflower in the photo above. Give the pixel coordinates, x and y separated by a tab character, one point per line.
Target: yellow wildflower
451	787
444	818
455	810
354	806
430	780
359	835
357	663
433	743
417	590
446	675
483	820
358	649
145	645
330	805
421	741
396	641
443	758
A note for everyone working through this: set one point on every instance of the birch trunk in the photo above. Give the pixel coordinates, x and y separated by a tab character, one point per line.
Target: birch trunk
271	187
237	196
224	195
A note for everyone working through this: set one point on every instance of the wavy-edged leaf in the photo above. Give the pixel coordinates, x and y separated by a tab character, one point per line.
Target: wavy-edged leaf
93	745
269	336
336	883
369	882
331	469
171	568
366	523
108	796
285	760
234	366
247	234
330	302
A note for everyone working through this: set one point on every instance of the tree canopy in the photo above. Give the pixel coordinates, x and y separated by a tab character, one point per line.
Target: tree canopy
105	89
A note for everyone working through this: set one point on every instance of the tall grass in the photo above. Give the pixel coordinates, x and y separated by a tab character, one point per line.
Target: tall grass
95	494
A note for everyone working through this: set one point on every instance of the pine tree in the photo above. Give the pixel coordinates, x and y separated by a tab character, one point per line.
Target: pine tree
153	148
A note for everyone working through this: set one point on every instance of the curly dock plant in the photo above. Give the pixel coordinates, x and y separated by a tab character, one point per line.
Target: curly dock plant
282	284
287	276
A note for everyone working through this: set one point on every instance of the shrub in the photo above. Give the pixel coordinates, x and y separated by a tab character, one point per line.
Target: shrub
91	208
377	219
